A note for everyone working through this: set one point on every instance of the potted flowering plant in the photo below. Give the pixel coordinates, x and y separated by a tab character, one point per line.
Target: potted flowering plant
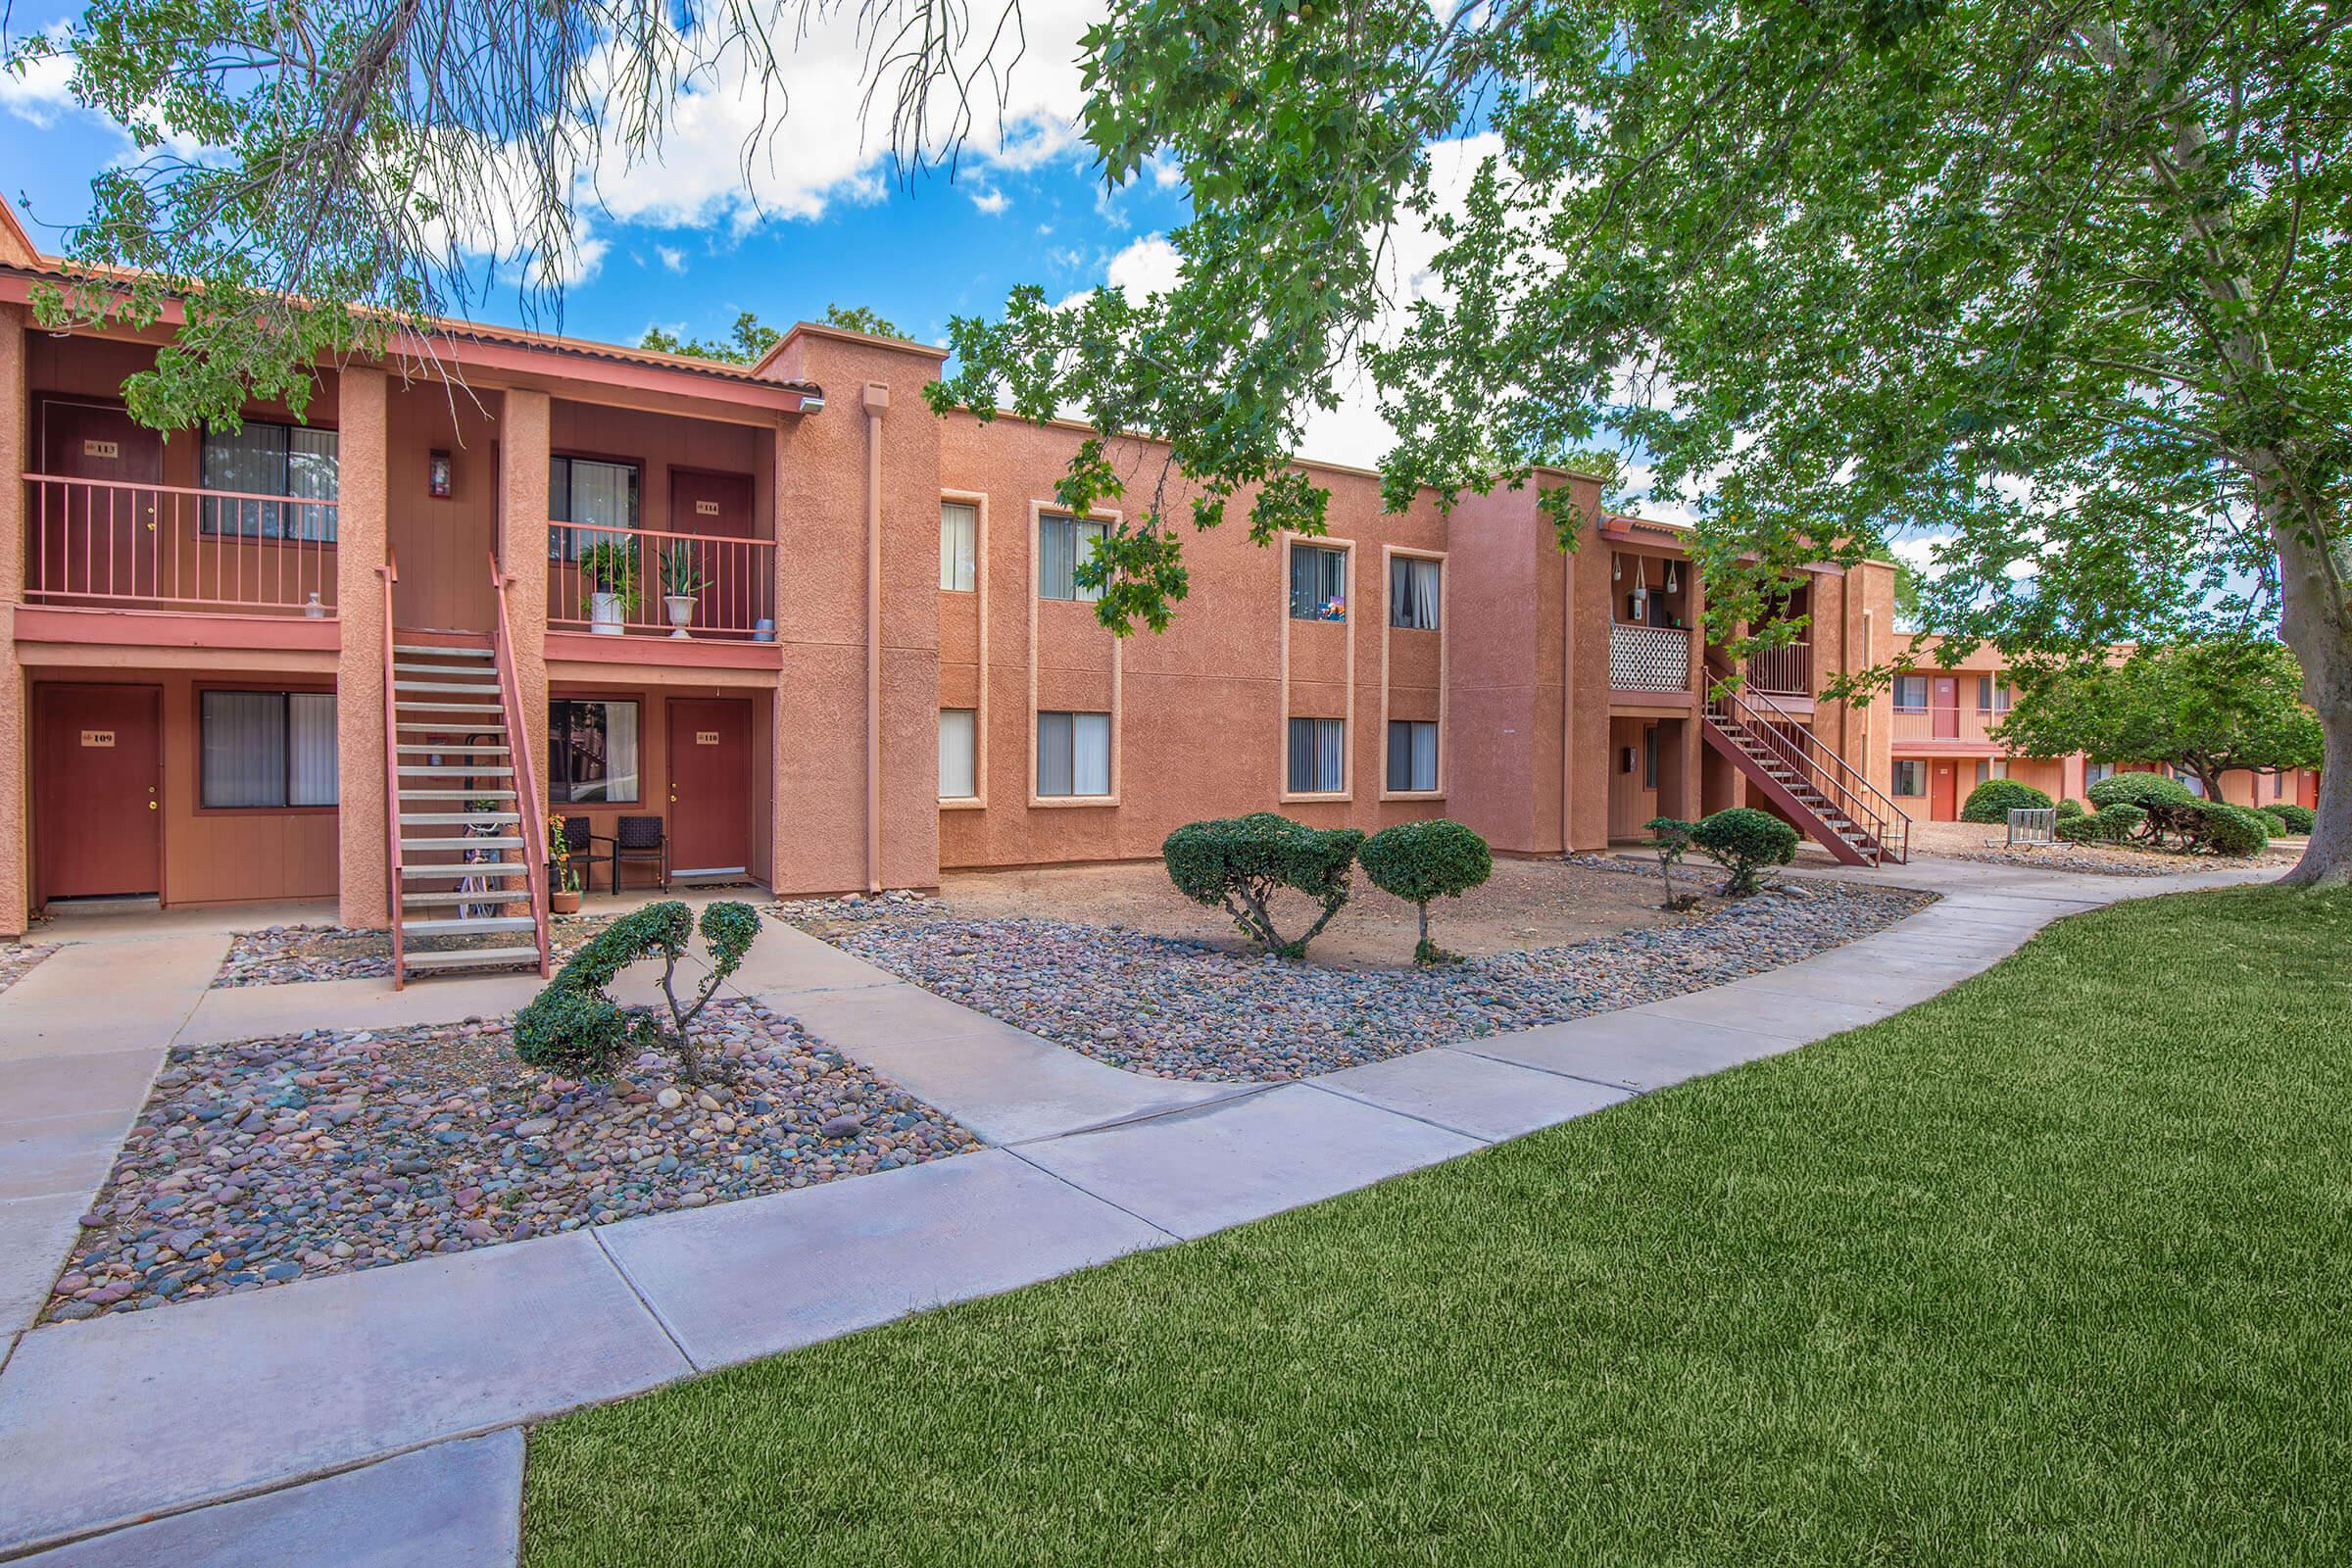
1333	610
563	878
682	578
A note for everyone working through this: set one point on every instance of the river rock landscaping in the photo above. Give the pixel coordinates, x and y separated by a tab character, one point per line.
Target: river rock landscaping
289	954
273	1159
1182	1008
19	958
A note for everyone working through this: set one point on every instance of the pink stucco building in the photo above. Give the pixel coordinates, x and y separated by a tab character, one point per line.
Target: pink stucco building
782	623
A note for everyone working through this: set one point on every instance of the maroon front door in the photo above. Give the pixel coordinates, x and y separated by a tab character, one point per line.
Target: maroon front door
709	784
96	539
717	507
1943	793
97	760
1945	703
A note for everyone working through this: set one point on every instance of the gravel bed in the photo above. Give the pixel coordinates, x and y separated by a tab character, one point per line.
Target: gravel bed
2089	862
267	1160
288	954
1178	1008
19	958
896	904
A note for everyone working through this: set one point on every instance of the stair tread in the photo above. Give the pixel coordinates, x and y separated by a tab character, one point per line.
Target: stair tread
474	895
457	841
428	769
454	650
470	958
487	870
475	925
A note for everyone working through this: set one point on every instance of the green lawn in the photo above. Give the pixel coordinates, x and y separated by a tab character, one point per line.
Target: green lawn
2056	1268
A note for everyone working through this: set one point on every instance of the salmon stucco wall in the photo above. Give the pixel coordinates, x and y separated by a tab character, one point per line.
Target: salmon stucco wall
360	554
15	805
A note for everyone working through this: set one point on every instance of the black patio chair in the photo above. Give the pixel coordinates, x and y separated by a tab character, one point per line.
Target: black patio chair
640	840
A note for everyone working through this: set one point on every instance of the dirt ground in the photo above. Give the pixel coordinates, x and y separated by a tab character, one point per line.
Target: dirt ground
1526	903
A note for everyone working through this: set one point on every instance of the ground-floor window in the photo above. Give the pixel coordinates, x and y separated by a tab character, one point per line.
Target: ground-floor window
1649	757
1073	753
1910	776
592	752
268	748
1412	754
1318	756
2095	772
958	747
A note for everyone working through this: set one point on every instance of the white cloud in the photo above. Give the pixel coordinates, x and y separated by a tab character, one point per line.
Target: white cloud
991	202
671	256
1146	268
43	91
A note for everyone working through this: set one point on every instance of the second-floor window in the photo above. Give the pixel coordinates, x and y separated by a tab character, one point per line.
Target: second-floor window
1412	593
1910	694
272	459
1318	583
1063	544
1992	696
588	490
958	545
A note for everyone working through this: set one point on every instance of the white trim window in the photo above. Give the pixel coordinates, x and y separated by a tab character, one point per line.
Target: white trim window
587	490
958	545
268	748
1412	756
1063	544
958	754
1413	592
1318	760
1910	778
1318	582
272	459
1073	755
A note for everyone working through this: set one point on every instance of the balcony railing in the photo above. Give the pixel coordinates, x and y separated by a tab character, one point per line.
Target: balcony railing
1784	671
102	542
730	583
1650	658
1966	722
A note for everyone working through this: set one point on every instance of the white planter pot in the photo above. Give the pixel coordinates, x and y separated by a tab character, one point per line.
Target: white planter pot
681	611
604	614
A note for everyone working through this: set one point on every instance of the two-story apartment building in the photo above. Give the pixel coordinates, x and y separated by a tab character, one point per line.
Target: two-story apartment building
782	623
1943	745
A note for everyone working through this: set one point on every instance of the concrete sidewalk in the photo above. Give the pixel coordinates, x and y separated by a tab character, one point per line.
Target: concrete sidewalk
313	1400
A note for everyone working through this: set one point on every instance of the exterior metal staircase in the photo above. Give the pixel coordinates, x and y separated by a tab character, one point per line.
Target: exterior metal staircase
467	842
1825	796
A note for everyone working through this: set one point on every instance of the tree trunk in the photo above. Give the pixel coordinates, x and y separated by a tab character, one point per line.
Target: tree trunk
2328	857
2315	621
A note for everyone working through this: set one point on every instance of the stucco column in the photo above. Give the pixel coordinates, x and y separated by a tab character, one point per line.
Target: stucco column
362	529
522	454
15	424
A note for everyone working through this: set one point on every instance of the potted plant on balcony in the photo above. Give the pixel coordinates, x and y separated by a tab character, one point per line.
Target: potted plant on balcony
563	878
608	570
682	579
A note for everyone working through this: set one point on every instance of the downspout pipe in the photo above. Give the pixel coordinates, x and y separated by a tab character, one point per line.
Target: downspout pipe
877	400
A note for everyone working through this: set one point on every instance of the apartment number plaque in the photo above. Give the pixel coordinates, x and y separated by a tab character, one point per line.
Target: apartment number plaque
102	448
97	737
705	508
702	737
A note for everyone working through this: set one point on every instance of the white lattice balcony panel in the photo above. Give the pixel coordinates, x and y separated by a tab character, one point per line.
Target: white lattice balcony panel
1650	658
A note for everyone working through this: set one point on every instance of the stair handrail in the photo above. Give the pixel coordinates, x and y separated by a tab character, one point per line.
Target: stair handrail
528	804
1888	824
389	572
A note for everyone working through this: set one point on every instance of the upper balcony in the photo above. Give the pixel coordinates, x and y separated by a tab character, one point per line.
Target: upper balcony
1947	724
118	545
1782	671
618	581
1650	658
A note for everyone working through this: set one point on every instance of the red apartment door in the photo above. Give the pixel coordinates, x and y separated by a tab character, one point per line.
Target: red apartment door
718	505
97	758
1945	704
709	784
90	540
1943	793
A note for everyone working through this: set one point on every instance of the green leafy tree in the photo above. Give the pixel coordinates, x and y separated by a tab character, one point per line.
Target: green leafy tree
2207	709
860	318
576	1027
1418	862
747	343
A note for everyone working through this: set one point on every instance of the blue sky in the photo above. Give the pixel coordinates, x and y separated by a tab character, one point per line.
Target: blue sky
685	247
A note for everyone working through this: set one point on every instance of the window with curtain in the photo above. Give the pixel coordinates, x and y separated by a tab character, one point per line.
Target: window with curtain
1649	757
1063	544
1412	754
958	544
958	754
585	490
1318	755
267	749
272	459
1910	694
591	752
1992	697
1073	753
2094	773
1318	583
1910	778
1412	593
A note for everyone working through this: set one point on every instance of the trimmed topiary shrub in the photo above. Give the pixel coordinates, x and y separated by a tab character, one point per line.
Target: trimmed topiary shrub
1744	841
1237	863
2111	824
1670	836
2296	820
2220	828
575	1028
2142	790
2081	830
2069	807
1993	799
1418	862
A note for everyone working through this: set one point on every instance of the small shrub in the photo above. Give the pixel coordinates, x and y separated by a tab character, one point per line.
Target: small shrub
1418	862
2220	828
2069	807
2142	790
1237	863
1993	799
575	1028
2296	820
2112	825
2081	830
1671	837
1744	841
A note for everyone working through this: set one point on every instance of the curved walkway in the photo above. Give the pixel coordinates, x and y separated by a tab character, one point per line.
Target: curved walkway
382	1409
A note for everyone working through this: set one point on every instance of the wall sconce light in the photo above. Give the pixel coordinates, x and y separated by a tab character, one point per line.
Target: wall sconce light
437	475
